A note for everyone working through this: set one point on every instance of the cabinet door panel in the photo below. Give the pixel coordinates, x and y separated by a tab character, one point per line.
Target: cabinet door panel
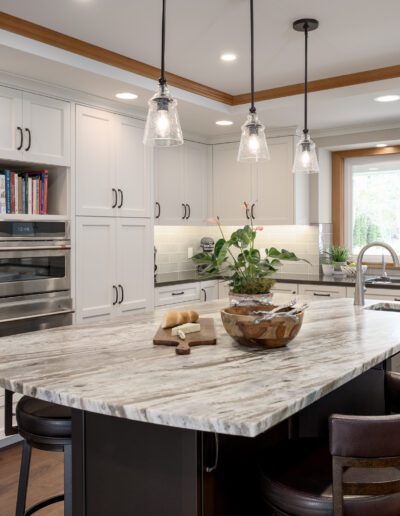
49	123
95	162
95	267
10	120
231	184
274	184
195	177
169	187
133	170
134	264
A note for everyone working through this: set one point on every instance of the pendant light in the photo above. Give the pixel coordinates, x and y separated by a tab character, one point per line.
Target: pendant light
305	159
253	144
163	128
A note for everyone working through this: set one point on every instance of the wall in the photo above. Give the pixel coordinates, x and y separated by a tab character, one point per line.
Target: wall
172	244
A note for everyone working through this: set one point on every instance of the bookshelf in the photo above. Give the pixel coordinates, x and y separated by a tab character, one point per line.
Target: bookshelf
58	192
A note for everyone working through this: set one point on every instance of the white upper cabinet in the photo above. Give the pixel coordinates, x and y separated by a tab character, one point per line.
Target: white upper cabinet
196	167
11	125
275	195
232	184
34	128
96	191
169	207
46	130
133	169
181	184
113	167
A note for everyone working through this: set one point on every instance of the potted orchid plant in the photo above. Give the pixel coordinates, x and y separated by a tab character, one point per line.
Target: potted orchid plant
238	260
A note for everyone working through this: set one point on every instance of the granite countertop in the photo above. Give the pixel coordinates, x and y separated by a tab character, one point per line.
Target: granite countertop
113	368
179	278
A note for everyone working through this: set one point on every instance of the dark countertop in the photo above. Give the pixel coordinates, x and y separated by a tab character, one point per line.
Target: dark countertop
178	278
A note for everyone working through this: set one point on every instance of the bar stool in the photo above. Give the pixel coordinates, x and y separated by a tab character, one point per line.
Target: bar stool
48	427
356	474
392	392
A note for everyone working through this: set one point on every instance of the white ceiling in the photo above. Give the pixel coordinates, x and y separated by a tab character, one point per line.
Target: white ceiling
353	35
198	33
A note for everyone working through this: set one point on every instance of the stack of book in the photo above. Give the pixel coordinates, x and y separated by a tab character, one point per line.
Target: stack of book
23	192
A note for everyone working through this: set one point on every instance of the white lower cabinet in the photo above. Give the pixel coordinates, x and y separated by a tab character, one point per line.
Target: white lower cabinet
385	294
209	290
322	291
113	266
285	288
223	289
177	294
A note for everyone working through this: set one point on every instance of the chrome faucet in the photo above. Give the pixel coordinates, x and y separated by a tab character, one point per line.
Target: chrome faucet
359	294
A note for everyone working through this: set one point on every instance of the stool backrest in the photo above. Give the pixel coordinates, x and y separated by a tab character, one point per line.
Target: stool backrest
363	442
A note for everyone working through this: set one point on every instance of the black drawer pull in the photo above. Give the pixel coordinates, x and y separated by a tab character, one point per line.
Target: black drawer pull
29	139
121	193
122	294
321	295
158	206
252	211
397	298
116	295
184	211
115	195
177	293
205	294
188	211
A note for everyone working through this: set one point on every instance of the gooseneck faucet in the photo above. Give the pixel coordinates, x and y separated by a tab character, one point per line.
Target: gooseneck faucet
359	294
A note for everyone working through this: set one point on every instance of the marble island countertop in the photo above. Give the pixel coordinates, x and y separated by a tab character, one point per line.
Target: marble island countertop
112	368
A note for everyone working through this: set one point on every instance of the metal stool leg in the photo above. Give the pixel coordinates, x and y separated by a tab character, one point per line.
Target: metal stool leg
68	480
23	479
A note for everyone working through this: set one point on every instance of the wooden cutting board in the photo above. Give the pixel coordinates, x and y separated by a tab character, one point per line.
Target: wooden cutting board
206	336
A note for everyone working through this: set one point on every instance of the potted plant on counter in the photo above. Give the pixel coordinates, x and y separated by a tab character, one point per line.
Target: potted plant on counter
237	260
338	255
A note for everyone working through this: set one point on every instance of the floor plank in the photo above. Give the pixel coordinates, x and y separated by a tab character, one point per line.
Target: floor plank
46	479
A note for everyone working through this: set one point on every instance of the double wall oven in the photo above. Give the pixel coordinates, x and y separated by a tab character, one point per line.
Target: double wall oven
35	282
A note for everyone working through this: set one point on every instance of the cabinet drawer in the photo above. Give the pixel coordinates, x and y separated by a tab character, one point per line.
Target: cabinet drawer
223	289
323	291
289	288
385	294
177	294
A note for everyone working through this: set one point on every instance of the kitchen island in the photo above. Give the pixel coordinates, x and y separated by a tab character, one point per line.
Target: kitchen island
145	419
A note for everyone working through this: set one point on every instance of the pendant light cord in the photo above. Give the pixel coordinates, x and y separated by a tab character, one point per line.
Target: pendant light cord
162	80
252	108
305	131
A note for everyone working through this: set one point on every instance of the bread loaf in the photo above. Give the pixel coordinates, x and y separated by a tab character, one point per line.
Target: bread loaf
174	318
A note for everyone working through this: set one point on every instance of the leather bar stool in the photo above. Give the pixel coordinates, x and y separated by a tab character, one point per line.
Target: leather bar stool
356	474
392	392
48	427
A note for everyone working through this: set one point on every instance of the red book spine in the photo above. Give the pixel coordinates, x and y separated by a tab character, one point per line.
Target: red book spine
45	188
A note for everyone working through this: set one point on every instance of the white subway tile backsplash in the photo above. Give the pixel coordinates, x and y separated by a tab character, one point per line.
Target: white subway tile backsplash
172	243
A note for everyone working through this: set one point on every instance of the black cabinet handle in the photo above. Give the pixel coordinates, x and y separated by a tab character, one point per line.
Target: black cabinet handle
177	293
397	299
247	214
189	211
116	295
122	294
114	191
205	294
213	467
184	214
29	138
21	135
321	295
121	202
252	211
158	206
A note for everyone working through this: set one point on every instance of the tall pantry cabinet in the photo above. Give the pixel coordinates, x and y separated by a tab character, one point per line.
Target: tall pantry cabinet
114	234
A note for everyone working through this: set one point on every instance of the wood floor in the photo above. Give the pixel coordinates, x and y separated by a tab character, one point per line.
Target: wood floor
46	479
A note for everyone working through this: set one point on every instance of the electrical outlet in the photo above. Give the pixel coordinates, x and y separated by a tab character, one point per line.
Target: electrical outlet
190	252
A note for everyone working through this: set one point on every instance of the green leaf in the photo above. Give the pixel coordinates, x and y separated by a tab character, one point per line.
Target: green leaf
202	258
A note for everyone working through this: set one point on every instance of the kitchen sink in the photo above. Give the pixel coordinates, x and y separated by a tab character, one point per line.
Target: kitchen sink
380	281
384	307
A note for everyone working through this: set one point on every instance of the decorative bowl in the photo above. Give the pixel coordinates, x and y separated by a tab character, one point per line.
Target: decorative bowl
351	270
239	323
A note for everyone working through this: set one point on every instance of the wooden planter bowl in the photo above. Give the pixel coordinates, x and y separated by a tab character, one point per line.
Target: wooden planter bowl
268	334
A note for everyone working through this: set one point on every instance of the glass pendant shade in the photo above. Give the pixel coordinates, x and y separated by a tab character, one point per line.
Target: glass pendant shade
305	160
163	128
253	144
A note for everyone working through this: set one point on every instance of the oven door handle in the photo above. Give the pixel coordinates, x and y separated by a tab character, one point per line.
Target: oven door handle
37	248
37	316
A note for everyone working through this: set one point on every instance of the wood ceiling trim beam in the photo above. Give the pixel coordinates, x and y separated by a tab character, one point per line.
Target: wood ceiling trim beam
85	49
339	81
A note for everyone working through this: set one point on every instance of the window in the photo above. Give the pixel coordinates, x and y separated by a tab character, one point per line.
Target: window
372	200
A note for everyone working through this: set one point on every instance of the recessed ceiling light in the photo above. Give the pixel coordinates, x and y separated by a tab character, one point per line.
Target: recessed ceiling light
373	168
224	122
125	95
387	98
228	57
381	145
